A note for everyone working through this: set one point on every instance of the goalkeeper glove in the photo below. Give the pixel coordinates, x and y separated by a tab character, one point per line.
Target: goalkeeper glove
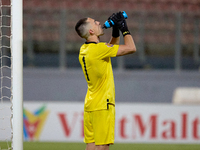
120	22
115	30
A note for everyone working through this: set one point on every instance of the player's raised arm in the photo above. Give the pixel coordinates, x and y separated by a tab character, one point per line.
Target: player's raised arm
115	36
129	46
115	31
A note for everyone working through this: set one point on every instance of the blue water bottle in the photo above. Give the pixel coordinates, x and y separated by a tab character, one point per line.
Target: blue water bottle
110	23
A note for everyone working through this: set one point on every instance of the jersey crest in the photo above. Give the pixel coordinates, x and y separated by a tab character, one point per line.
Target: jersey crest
109	45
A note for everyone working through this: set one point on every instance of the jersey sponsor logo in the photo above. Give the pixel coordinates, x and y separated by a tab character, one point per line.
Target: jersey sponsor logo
109	45
34	122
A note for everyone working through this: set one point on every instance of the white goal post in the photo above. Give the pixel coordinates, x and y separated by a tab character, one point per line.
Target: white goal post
11	74
17	72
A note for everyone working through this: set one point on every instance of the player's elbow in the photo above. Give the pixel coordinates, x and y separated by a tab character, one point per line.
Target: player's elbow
126	49
132	49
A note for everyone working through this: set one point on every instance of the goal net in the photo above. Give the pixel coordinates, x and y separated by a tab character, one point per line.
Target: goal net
6	75
11	120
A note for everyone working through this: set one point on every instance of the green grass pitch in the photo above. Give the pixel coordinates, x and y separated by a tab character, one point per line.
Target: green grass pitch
116	146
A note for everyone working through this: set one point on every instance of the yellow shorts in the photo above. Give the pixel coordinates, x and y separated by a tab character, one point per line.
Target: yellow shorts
99	126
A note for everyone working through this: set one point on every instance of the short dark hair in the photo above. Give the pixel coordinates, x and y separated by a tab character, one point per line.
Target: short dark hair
80	27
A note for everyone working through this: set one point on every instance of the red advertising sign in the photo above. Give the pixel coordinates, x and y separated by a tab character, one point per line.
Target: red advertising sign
155	123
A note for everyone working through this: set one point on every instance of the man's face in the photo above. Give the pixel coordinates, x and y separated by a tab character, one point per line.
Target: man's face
96	27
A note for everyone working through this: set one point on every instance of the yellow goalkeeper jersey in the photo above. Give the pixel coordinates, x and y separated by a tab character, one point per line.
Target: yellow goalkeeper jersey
96	65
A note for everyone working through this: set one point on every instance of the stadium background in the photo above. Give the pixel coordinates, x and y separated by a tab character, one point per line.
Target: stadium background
166	33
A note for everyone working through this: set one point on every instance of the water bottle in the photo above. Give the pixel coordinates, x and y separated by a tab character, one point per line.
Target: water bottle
110	23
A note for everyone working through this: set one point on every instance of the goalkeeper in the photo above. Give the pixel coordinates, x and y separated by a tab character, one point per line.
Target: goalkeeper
95	59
